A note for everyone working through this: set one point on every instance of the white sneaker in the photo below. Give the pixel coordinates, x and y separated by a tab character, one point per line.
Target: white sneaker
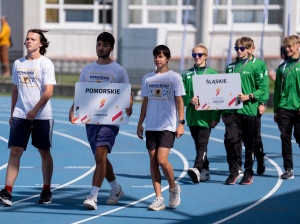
158	204
174	200
115	195
194	174
204	175
90	202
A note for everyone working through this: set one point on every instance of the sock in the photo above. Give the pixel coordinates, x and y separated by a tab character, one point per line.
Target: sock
114	184
95	191
46	187
9	189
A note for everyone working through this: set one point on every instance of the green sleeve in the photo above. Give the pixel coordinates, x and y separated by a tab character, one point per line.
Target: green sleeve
265	97
277	89
186	97
259	83
215	115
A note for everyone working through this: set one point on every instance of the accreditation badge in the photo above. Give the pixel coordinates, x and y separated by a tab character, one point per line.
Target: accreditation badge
218	91
101	103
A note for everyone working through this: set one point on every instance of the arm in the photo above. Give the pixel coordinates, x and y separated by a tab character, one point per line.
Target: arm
43	100
180	108
71	113
129	110
14	98
140	129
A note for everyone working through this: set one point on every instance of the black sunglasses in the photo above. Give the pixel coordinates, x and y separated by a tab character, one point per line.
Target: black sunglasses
199	55
241	48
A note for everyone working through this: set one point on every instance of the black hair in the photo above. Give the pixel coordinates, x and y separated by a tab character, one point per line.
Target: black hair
43	39
106	37
162	49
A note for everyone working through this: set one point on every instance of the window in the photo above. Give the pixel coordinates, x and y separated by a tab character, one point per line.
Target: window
78	13
161	13
248	12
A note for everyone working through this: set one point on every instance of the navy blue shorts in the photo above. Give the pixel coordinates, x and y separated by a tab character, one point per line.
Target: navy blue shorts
40	130
157	139
101	135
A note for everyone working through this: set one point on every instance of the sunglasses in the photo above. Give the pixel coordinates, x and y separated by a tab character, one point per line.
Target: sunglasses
199	55
241	48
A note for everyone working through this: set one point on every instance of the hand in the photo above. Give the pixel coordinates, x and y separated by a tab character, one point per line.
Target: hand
213	123
242	97
223	119
275	117
71	116
10	120
128	111
140	131
31	114
194	101
179	130
261	109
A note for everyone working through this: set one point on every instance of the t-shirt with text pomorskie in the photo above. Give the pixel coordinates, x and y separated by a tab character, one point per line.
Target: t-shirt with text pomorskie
31	76
161	89
109	73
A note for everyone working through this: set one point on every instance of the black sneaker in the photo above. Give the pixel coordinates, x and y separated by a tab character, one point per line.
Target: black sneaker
260	166
247	179
288	174
232	178
45	197
5	198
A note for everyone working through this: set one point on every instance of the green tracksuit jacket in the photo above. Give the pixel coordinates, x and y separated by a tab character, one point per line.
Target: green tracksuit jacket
262	67
252	82
194	117
290	97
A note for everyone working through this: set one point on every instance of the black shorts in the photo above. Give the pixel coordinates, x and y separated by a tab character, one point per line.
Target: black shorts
40	131
157	139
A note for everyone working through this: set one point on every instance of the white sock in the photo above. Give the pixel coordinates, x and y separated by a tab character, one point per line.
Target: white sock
95	191
114	184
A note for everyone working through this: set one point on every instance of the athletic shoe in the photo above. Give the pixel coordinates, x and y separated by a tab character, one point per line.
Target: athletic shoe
289	174
158	204
5	198
204	175
241	171
260	166
174	200
232	178
115	195
90	202
247	179
194	174
45	197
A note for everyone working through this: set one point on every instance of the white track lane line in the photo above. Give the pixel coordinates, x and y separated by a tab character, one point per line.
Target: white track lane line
275	188
72	181
5	165
185	166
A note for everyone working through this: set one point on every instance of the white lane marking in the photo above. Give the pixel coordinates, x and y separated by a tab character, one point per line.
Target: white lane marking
185	166
5	165
275	188
72	181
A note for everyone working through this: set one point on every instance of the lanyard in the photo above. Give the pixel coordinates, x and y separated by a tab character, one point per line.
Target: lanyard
242	66
195	73
285	74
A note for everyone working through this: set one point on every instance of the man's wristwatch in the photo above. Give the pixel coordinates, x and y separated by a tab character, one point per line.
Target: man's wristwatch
181	122
250	97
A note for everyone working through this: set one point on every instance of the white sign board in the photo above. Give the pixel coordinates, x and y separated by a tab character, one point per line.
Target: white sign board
101	103
217	92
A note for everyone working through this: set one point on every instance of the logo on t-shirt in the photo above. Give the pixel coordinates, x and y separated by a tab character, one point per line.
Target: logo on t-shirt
159	90
27	77
100	77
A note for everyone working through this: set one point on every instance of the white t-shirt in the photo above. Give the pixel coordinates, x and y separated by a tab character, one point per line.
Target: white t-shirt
31	76
161	89
110	73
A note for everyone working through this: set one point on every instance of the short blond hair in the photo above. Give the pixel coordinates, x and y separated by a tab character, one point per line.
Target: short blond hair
291	40
202	46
